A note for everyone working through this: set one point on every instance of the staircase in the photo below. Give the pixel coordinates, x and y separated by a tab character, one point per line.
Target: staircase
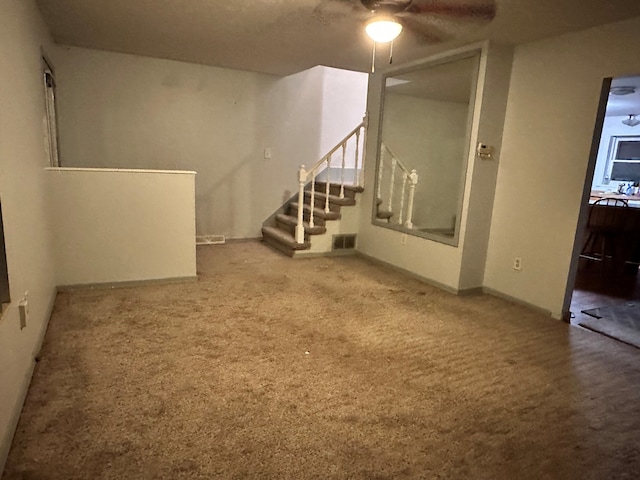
281	235
381	213
322	194
401	189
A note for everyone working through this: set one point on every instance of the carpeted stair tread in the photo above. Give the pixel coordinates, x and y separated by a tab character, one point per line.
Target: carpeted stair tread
353	188
334	189
278	237
335	199
293	212
292	222
384	214
317	212
281	234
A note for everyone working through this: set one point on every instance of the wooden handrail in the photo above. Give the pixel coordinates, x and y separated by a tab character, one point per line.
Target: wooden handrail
353	132
409	177
304	175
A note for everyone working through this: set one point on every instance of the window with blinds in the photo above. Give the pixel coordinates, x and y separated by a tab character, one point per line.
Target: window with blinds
624	159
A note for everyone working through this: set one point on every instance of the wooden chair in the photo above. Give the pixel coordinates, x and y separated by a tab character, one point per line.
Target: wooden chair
611	202
606	228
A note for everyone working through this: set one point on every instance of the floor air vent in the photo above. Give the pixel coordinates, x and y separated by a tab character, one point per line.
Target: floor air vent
210	239
344	242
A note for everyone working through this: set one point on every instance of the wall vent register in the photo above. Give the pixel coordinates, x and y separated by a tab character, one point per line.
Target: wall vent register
344	242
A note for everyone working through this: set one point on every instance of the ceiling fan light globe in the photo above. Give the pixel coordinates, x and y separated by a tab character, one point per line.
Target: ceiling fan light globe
623	90
632	121
383	30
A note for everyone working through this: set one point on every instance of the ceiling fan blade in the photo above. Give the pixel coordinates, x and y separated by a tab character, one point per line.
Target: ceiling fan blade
485	10
335	7
329	11
428	34
386	6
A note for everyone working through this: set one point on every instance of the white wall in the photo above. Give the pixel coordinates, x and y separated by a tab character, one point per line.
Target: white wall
482	173
441	264
126	111
552	105
24	205
344	102
613	126
429	136
123	225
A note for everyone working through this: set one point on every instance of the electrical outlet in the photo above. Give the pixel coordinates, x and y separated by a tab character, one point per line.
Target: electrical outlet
267	153
517	263
404	239
485	151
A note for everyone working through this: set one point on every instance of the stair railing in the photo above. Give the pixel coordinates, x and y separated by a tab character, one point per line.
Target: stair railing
409	178
357	135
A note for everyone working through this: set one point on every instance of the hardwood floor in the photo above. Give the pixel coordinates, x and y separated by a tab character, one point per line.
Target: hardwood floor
597	288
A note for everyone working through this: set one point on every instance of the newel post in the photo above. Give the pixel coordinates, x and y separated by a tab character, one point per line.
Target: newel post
394	163
365	128
413	181
402	196
302	178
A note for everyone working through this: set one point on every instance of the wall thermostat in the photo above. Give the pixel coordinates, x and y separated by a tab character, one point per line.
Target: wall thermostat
484	151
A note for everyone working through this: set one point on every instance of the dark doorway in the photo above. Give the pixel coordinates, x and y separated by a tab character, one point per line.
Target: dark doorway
604	280
4	273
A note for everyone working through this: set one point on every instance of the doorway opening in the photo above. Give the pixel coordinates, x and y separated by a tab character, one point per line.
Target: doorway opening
604	291
5	296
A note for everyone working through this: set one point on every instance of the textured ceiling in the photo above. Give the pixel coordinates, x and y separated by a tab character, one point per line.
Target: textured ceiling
625	104
448	82
286	36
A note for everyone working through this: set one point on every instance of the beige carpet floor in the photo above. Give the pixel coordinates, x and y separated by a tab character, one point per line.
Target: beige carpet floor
327	368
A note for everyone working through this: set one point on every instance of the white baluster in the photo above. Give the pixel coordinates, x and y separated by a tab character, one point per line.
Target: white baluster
302	178
360	132
404	185
326	202
312	203
380	171
365	128
394	162
413	179
356	178
344	153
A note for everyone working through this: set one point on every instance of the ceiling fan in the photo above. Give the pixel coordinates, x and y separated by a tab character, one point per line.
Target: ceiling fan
385	19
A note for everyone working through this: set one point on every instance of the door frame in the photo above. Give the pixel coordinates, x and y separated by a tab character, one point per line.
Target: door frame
584	204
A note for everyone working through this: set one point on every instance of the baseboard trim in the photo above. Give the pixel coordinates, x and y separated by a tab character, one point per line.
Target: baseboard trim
14	418
471	291
43	332
411	274
7	440
126	284
346	252
230	240
517	301
243	240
